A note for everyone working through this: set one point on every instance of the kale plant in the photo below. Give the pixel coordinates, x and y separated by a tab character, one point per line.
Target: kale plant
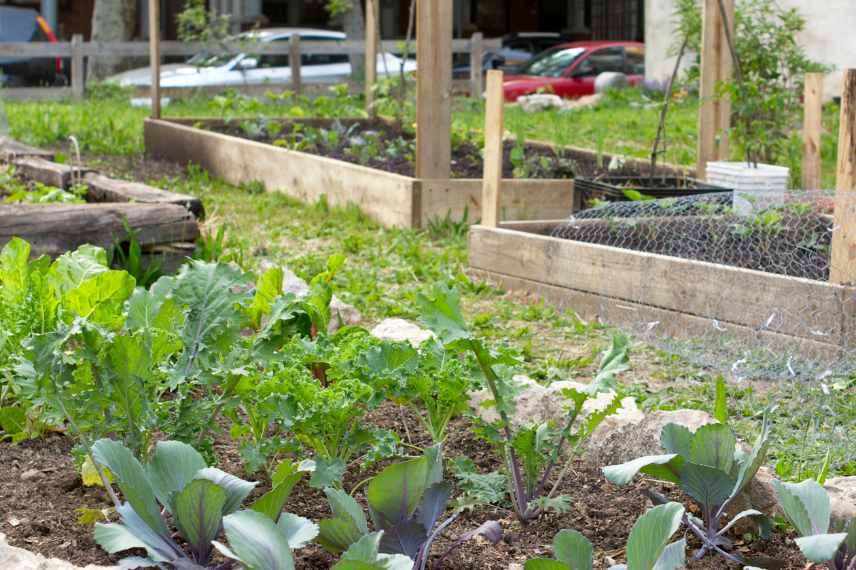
807	507
532	452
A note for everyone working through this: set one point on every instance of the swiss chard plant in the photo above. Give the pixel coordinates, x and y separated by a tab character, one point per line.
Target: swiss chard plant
532	452
712	469
807	507
406	502
648	546
176	488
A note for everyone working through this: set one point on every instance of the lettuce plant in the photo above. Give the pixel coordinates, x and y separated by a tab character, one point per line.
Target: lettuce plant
648	546
176	485
406	501
713	470
807	507
532	453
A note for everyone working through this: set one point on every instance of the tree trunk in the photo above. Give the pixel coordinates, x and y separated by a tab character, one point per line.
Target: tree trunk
354	25
112	21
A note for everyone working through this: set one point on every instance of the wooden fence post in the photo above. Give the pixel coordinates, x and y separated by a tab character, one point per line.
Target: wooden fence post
714	115
493	129
78	73
372	39
294	62
433	88
476	56
154	56
812	127
842	267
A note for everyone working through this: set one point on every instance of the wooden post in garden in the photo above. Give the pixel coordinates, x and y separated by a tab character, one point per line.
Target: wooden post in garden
842	267
433	88
812	127
372	39
476	56
78	73
294	63
714	114
493	129
154	56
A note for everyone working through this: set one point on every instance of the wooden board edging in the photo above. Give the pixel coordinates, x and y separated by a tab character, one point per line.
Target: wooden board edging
802	308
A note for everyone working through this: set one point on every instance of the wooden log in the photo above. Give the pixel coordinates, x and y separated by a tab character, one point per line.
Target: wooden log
476	74
493	128
47	172
10	149
812	128
104	189
154	56
53	229
843	263
372	40
433	88
295	63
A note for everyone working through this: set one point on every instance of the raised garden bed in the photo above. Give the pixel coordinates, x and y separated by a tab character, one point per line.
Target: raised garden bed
386	195
57	208
615	188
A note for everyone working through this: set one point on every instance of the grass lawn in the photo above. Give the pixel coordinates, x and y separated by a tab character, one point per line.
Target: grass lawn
386	268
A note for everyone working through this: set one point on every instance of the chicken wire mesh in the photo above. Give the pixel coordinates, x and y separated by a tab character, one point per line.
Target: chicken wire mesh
789	234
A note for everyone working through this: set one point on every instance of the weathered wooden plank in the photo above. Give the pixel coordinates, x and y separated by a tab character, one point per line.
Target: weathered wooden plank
47	172
155	57
787	305
78	80
843	263
476	73
493	131
105	189
716	66
53	229
372	40
385	197
811	131
10	149
295	63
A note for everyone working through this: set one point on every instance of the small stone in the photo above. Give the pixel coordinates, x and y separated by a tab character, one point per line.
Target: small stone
842	498
13	522
401	330
30	474
21	559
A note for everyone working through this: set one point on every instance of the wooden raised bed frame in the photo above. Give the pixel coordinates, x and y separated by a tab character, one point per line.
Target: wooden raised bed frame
390	199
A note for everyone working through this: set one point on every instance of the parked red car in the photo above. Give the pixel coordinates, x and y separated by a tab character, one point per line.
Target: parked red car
569	70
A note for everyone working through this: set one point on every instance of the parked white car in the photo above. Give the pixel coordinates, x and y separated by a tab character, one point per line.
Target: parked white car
204	70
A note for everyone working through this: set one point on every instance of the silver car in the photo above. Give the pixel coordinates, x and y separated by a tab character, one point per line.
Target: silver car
203	70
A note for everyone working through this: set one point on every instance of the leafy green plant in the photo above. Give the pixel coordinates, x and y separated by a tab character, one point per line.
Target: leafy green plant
406	501
648	546
807	507
200	499
531	452
132	260
713	470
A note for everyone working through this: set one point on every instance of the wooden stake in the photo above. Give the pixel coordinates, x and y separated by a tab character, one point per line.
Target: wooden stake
78	85
476	56
154	56
372	39
433	88
812	127
295	63
842	267
493	129
714	115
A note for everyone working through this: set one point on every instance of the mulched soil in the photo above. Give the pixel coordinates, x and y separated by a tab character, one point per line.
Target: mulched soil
39	511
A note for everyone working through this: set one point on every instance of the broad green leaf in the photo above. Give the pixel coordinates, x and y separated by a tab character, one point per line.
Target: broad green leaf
284	479
613	361
713	445
236	488
707	485
806	505
132	480
336	535
198	510
663	467
158	546
173	465
345	506
675	438
720	406
256	542
440	311
115	537
820	547
89	474
268	288
752	462
546	564
14	271
73	268
13	420
366	552
739	516
356	565
298	531
574	549
396	491
651	534
673	557
327	472
101	299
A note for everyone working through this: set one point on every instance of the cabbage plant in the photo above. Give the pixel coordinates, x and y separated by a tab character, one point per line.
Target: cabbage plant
807	507
176	486
648	546
710	467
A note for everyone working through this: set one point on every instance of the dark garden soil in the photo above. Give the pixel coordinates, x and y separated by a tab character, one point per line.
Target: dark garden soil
384	146
40	490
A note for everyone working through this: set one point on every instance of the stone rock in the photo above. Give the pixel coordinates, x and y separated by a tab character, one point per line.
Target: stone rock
537	403
30	474
610	80
540	102
401	330
842	496
13	558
